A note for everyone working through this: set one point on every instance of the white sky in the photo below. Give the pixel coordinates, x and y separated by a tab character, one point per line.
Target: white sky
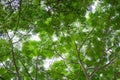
93	8
35	37
48	62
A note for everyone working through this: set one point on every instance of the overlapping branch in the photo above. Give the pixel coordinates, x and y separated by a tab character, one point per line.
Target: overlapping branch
13	57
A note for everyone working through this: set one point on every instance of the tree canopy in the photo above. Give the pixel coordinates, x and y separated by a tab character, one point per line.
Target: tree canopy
59	39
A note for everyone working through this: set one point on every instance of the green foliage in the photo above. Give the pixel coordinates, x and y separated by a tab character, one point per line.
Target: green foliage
4	50
81	38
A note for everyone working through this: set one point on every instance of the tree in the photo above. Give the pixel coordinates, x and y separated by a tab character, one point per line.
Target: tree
82	36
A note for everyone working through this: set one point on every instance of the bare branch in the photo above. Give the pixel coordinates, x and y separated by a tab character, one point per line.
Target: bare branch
14	61
80	62
13	57
78	53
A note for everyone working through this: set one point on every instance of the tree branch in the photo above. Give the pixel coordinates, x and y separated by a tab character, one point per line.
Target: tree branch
83	42
26	70
19	15
78	53
61	58
14	62
13	57
80	62
115	73
102	67
36	67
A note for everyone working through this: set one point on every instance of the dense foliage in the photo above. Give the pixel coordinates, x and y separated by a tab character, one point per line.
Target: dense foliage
81	38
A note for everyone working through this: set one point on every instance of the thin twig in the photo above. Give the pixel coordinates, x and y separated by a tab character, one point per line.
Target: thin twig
22	37
8	70
18	20
102	67
86	38
37	61
26	70
36	67
61	58
115	73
